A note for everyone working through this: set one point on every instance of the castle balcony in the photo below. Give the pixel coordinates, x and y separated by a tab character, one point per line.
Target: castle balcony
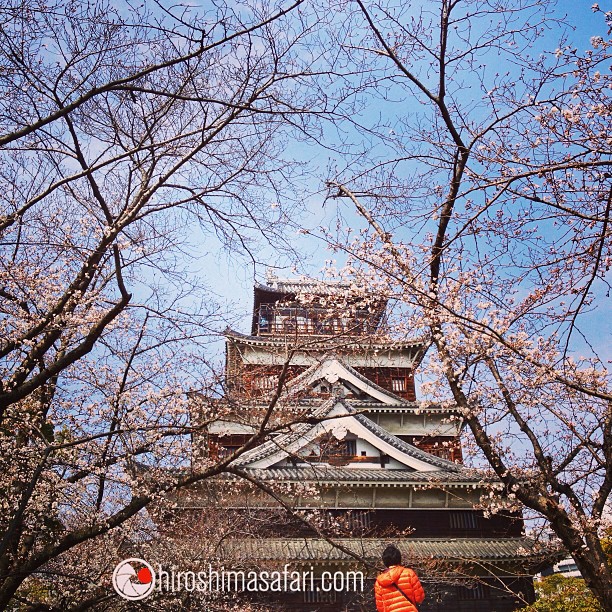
279	320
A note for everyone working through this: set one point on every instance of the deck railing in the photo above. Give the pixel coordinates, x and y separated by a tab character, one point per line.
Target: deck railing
314	321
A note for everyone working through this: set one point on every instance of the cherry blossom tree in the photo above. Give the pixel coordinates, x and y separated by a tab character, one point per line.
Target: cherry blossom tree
127	132
488	218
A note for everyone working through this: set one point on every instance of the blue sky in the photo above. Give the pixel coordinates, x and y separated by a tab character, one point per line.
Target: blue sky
232	278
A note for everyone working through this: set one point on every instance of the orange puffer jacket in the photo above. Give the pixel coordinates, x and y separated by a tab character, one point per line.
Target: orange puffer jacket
390	599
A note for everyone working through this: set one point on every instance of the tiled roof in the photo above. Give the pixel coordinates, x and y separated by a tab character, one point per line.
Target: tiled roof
370	383
316	549
305	284
333	342
372	404
322	473
298	381
418	407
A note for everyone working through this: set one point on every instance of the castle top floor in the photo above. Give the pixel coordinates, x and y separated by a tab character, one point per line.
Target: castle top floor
304	307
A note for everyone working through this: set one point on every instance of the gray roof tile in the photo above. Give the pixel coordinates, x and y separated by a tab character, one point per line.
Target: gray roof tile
322	473
328	343
317	549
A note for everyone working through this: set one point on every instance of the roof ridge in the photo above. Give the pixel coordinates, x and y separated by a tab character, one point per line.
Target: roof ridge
309	548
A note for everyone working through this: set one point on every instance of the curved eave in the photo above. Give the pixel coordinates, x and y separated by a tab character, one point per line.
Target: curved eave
520	551
330	342
415	407
316	287
333	476
286	445
405	447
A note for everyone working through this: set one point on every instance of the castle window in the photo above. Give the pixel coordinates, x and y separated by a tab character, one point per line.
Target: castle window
473	592
350	447
331	447
398	384
463	520
265	382
319	595
360	520
226	451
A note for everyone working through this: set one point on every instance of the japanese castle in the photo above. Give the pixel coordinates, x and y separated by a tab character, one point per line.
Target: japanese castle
353	452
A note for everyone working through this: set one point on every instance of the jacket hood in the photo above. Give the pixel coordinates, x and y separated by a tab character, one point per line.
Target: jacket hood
392	575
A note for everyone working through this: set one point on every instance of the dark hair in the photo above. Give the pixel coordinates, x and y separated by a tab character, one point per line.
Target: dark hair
392	556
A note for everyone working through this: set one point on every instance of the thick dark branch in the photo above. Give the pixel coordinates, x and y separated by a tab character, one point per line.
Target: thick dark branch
544	461
122	83
601	498
26	496
22	390
602	241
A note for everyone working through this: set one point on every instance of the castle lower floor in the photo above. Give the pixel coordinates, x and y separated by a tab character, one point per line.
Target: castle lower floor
479	594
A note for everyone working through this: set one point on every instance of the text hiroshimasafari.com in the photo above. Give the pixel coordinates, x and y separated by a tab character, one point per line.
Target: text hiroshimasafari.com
261	581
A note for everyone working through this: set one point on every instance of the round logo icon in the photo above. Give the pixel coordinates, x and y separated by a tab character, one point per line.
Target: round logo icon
134	579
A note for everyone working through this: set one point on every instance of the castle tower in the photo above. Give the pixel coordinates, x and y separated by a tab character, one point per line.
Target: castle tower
353	445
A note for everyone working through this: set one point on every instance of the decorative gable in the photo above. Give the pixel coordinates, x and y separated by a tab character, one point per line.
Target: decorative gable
333	373
339	426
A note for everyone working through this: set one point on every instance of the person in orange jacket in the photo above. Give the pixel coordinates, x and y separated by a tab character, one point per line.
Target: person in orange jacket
398	588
